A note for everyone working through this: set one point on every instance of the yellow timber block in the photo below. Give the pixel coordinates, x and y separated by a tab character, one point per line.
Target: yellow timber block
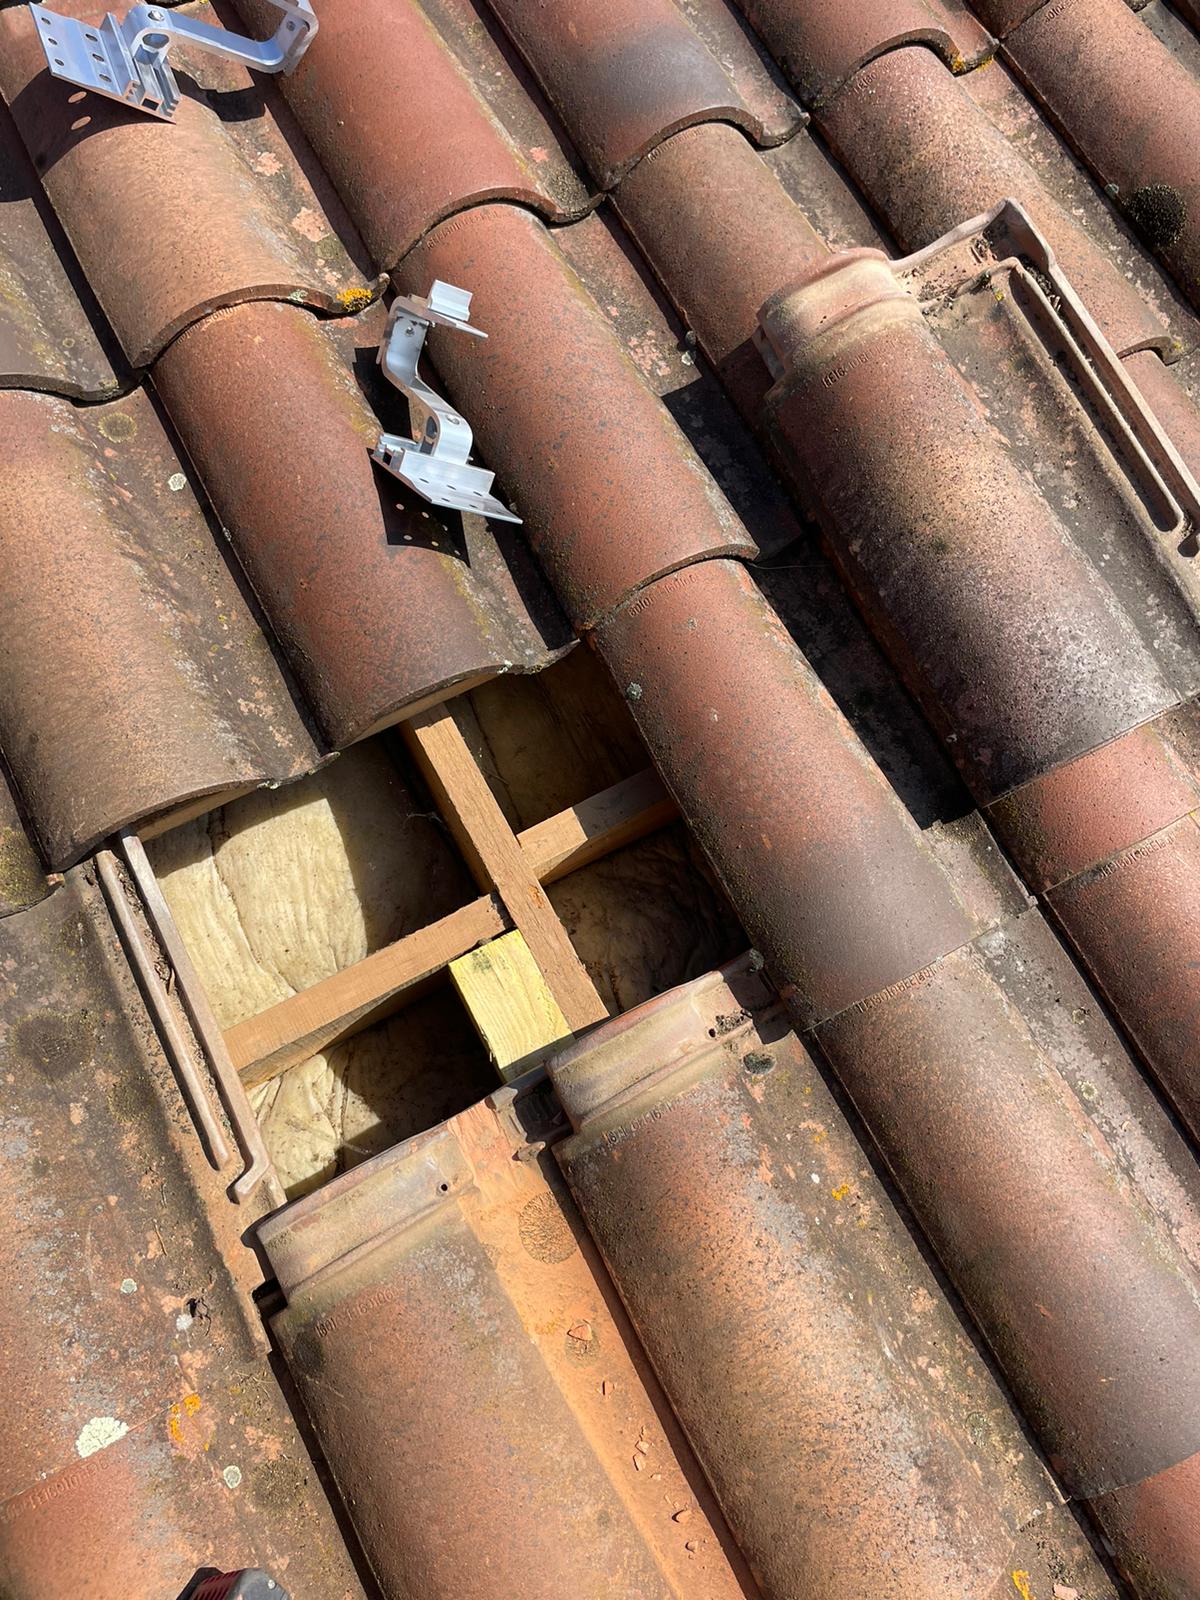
517	1017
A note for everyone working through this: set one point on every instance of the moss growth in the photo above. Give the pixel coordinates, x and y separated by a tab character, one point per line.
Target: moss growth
1158	212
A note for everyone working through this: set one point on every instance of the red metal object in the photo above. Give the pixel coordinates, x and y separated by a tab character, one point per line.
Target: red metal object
145	1438
822	45
626	74
1137	128
927	156
478	1394
823	1380
832	878
612	493
380	608
47	339
170	220
721	234
132	674
459	129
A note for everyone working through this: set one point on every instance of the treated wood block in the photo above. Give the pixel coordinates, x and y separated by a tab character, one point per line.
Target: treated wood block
510	1003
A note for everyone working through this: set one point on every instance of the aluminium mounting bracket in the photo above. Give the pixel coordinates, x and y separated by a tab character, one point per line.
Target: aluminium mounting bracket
125	59
434	465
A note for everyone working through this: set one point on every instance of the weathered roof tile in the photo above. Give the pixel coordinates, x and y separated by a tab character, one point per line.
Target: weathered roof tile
142	1440
446	143
373	595
134	675
172	219
626	75
822	46
610	489
47	339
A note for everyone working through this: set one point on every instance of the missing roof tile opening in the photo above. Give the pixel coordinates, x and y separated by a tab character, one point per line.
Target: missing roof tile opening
363	936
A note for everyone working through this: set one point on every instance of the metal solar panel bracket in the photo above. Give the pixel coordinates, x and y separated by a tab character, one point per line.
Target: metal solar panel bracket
434	462
125	59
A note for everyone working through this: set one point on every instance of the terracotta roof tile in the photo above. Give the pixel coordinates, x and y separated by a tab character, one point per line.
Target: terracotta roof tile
142	1442
620	99
749	796
170	220
954	162
1018	648
722	234
460	129
701	1122
1137	128
747	779
123	630
269	405
611	491
822	46
491	1422
47	339
22	879
1057	660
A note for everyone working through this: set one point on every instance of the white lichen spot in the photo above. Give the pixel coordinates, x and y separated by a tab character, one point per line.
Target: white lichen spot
184	1321
232	1477
128	1286
177	481
98	1434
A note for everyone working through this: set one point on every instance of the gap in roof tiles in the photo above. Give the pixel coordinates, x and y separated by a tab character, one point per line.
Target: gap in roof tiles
279	890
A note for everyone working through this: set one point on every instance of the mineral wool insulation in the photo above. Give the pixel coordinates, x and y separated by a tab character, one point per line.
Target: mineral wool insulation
282	888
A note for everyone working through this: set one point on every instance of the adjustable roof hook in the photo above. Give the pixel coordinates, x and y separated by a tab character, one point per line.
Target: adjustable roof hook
126	59
436	464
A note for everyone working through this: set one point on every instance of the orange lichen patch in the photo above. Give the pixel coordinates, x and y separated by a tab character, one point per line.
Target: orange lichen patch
353	300
190	1431
840	1193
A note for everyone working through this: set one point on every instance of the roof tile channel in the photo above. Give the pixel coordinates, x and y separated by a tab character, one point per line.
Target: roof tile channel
47	340
141	1441
834	883
822	46
491	1422
1138	129
133	675
379	604
702	1122
460	128
1033	661
170	220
